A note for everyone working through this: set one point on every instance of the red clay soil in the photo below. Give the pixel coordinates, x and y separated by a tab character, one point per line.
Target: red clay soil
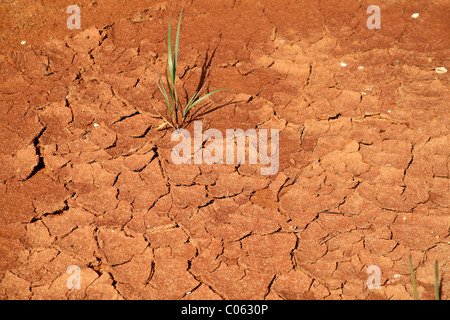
86	178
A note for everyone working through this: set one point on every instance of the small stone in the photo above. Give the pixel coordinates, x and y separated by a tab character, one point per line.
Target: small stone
441	70
415	15
343	64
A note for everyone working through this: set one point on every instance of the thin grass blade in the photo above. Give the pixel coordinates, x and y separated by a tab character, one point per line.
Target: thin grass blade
200	99
171	91
189	105
177	41
162	125
436	281
169	53
164	93
166	122
187	108
413	278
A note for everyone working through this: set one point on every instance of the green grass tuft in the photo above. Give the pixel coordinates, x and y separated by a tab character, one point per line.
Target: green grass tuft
176	114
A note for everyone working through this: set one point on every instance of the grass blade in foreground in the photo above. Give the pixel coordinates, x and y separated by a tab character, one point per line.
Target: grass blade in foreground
436	281
413	278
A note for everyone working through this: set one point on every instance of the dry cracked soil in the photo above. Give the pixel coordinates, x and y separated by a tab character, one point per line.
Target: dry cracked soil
87	180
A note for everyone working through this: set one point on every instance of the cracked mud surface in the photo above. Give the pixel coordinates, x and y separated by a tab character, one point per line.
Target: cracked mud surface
364	152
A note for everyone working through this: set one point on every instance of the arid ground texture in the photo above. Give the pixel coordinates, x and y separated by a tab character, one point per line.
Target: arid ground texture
87	179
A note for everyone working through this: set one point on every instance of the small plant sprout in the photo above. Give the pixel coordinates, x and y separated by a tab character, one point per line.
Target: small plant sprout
176	113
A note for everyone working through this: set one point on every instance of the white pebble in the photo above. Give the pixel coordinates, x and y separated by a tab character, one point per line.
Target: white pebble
360	67
441	70
96	125
343	64
415	15
23	42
